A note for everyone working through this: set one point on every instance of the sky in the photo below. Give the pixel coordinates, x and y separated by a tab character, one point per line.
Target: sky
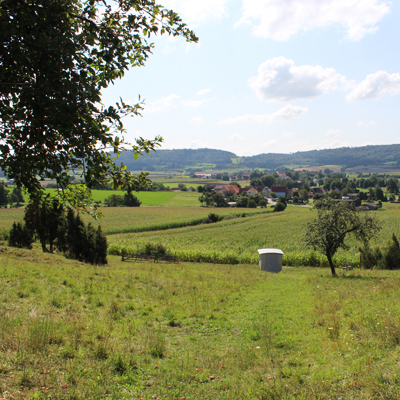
271	76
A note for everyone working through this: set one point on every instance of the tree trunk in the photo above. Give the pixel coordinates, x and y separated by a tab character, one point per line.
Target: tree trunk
331	264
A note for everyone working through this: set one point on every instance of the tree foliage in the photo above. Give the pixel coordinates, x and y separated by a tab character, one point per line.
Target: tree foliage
327	233
57	56
4	196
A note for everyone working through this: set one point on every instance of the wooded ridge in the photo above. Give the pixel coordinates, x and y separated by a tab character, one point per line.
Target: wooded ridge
346	157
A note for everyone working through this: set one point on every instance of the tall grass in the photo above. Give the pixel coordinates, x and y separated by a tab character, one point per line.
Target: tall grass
195	331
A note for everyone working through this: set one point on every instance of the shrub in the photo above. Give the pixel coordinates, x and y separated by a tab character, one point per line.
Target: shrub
386	258
251	204
84	243
212	218
131	201
279	206
4	233
263	203
115	200
20	236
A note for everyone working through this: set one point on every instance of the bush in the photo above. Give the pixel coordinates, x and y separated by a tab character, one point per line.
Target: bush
84	243
156	250
386	258
251	204
212	218
20	236
115	200
279	207
4	233
131	201
263	203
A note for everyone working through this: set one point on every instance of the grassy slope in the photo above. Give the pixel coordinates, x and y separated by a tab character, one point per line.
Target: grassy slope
134	331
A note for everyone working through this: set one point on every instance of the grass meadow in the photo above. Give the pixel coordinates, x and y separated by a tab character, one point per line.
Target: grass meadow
198	330
194	331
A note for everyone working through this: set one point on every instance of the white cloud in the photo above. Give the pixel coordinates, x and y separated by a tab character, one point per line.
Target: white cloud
197	11
203	91
334	132
198	144
362	124
376	85
279	79
287	135
281	19
197	121
286	113
237	136
193	103
269	143
162	104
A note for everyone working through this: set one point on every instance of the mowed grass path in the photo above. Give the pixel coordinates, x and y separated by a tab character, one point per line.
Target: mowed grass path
195	331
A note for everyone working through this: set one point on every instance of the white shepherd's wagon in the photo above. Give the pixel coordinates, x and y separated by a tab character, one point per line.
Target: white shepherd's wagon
270	260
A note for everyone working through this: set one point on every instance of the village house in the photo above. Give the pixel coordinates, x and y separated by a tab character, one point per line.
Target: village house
281	191
228	189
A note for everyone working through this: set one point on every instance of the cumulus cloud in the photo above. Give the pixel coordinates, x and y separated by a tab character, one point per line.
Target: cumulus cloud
193	103
287	135
238	136
197	121
279	79
269	143
286	113
198	144
162	104
362	124
334	132
375	85
196	11
281	19
203	91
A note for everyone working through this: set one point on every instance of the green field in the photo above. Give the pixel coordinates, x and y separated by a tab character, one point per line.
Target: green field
177	224
126	219
237	240
147	198
194	331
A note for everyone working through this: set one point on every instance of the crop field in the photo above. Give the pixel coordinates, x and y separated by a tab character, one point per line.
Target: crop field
138	219
237	240
194	331
233	240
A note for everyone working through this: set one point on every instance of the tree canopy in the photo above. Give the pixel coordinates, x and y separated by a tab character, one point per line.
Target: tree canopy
327	233
57	56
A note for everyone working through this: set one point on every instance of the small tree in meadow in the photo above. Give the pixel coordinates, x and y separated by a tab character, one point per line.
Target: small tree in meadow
131	201
251	204
20	236
327	233
4	199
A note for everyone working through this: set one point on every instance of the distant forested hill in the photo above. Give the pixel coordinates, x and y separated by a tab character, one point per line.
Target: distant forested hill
177	158
345	156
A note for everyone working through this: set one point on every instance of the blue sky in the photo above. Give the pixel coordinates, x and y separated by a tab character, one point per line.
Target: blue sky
271	76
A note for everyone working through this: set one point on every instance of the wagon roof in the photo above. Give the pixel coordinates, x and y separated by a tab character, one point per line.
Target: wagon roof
270	251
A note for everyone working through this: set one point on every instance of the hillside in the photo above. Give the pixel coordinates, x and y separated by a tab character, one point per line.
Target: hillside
347	157
177	158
